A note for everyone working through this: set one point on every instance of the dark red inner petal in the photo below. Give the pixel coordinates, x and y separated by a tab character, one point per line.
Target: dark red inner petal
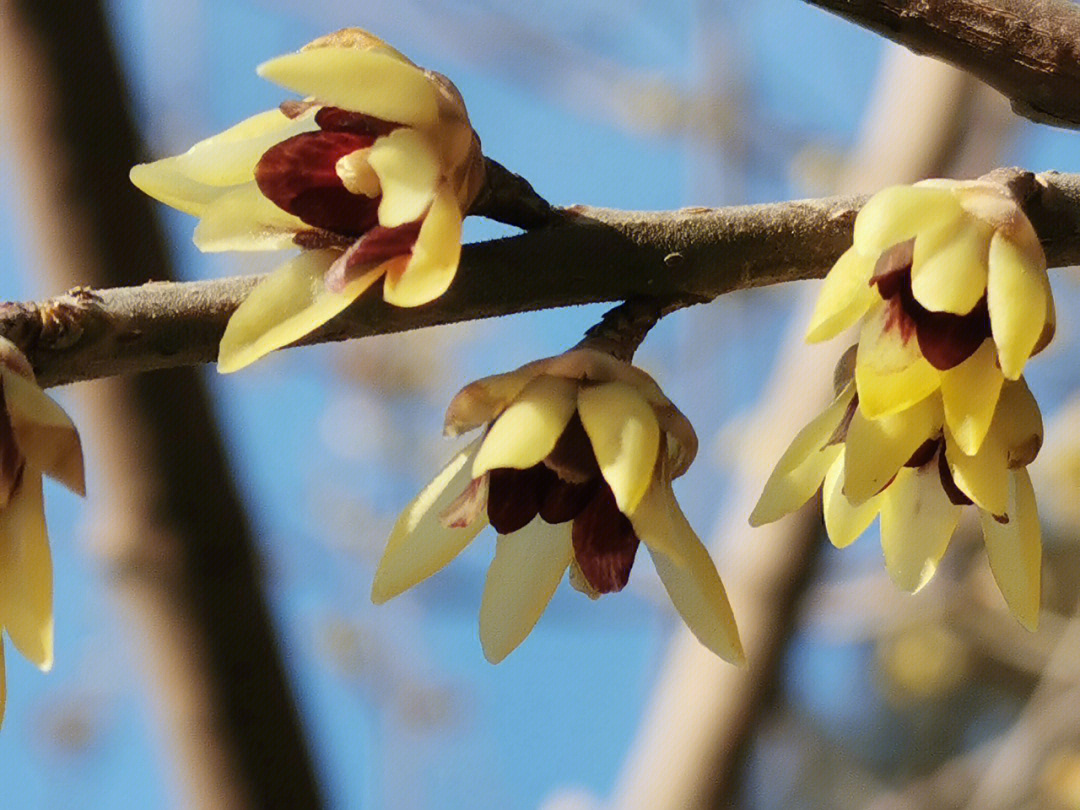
298	175
12	462
604	542
335	119
572	458
945	339
564	500
925	453
371	250
948	484
514	497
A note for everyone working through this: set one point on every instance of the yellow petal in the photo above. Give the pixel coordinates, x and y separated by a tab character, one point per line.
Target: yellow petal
845	296
917	522
434	258
625	438
890	373
286	305
984	476
408	172
243	219
44	432
1018	423
527	568
1016	295
876	448
26	573
1015	550
970	394
371	82
948	271
696	590
526	432
898	213
844	521
653	519
356	174
481	401
419	543
162	181
801	469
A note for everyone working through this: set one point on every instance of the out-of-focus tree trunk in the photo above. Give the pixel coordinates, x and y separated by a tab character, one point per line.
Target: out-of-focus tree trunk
166	518
693	739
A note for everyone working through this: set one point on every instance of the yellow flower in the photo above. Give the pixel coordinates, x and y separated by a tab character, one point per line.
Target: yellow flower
36	437
908	468
951	279
573	470
371	175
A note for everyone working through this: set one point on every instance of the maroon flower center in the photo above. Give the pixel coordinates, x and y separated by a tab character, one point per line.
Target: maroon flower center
568	486
932	451
299	174
945	339
12	461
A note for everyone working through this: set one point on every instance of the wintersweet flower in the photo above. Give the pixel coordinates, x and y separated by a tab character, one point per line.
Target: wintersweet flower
36	438
371	175
950	281
909	468
573	470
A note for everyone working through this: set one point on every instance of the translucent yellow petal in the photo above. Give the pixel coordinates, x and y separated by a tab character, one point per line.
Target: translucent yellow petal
844	521
890	373
162	181
44	432
625	438
481	401
970	393
1018	423
288	304
1015	550
948	271
527	568
876	448
419	543
26	573
845	296
898	213
434	258
526	432
1016	294
695	589
243	219
917	522
371	82
408	171
984	476
653	519
802	468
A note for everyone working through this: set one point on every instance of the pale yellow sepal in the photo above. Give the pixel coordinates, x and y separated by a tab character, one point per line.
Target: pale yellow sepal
288	304
899	213
45	433
845	296
625	438
527	569
526	432
164	183
26	577
844	521
1015	550
801	469
917	522
408	171
652	519
948	270
435	256
984	476
419	543
243	219
876	448
694	586
481	401
367	81
1016	295
970	394
1018	423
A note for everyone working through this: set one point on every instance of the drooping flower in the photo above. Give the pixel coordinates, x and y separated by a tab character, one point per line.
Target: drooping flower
371	175
36	438
950	281
908	468
573	471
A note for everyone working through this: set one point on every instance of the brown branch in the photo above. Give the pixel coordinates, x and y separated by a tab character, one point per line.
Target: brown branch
589	255
1028	50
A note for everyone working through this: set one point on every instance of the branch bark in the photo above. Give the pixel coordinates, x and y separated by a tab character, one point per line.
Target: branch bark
1028	50
589	255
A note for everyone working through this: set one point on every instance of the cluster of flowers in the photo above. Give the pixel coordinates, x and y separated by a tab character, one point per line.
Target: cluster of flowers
371	176
932	412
